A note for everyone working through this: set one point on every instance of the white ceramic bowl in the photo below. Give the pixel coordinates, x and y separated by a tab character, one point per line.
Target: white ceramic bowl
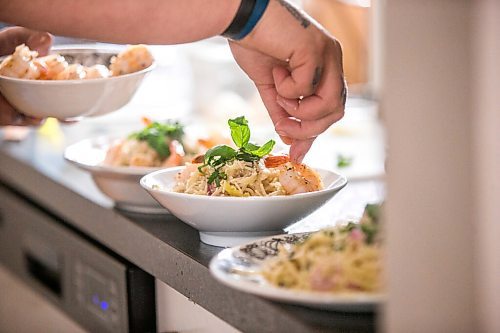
121	184
67	99
230	221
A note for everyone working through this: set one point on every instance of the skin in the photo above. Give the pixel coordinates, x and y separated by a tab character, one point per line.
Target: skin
9	39
296	65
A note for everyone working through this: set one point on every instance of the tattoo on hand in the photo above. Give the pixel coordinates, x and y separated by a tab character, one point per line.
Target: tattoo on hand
304	22
343	95
316	77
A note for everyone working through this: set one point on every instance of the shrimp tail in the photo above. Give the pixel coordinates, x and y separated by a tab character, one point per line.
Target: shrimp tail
276	161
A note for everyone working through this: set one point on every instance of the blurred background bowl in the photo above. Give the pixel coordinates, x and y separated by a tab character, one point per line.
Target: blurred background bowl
69	99
121	184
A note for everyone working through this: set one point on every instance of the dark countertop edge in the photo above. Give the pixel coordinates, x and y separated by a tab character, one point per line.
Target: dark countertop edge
190	277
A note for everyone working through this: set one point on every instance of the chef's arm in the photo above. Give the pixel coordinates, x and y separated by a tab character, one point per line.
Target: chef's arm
124	21
295	64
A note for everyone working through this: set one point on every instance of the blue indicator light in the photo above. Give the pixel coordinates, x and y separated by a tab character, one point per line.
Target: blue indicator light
104	305
95	299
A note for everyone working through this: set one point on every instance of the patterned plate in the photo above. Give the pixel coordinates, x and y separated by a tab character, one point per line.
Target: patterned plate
239	267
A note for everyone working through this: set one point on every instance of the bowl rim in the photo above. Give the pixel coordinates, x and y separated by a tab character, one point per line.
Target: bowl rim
334	187
101	168
121	170
113	51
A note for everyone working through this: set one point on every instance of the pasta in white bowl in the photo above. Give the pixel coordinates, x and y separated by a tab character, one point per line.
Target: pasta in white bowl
228	220
233	195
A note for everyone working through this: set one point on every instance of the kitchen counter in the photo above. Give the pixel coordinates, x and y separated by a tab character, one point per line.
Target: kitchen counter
159	244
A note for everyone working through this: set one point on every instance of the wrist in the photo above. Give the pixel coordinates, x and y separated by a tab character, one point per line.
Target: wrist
246	18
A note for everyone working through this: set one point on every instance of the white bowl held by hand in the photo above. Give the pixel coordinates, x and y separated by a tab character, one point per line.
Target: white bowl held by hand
229	221
121	184
66	99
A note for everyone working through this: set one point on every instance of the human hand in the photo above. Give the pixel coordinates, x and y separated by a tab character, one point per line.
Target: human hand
9	39
297	68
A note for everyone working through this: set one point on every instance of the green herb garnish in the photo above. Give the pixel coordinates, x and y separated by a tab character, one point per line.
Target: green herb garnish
373	211
370	222
220	155
370	230
343	161
158	136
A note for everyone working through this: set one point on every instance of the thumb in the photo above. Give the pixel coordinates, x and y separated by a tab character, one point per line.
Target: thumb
40	42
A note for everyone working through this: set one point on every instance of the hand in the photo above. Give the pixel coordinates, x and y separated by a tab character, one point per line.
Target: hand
9	39
297	68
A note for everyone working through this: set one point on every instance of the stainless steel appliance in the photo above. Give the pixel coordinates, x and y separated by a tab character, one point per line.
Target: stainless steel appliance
93	286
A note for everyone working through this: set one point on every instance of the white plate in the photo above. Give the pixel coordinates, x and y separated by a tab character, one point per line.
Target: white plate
121	184
239	267
229	221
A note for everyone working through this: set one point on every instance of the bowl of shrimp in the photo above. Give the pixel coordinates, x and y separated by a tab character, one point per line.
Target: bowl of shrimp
118	162
251	200
73	82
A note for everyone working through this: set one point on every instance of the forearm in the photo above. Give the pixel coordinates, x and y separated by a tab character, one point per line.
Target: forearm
124	21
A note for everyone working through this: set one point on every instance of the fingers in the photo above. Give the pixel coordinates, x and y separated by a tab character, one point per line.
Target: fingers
35	40
312	115
306	129
276	113
9	116
300	81
328	95
299	149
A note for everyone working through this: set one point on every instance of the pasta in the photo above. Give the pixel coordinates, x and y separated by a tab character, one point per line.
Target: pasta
243	179
156	145
342	259
246	171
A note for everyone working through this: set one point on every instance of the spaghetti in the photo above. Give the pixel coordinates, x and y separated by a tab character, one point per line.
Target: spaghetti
342	259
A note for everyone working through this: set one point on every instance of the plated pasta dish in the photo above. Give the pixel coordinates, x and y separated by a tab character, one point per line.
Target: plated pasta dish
248	170
342	259
157	144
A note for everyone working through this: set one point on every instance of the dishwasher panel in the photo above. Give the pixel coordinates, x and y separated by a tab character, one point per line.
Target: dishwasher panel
98	289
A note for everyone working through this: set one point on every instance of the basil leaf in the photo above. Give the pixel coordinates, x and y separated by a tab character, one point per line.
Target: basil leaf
213	177
247	157
370	231
240	132
219	156
251	147
159	143
265	149
343	161
373	211
225	153
241	120
216	177
158	136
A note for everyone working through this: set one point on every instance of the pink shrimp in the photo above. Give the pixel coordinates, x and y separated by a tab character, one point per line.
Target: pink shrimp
176	154
295	177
